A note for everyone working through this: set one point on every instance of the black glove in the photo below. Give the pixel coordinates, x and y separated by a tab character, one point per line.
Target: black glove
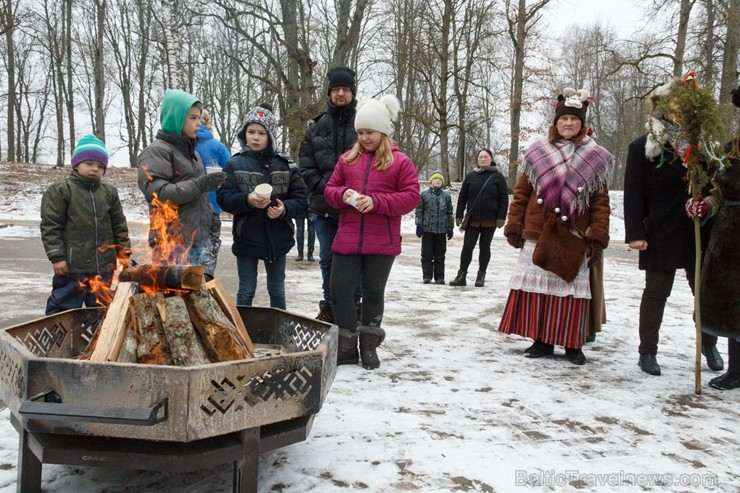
419	231
515	240
594	252
450	232
210	182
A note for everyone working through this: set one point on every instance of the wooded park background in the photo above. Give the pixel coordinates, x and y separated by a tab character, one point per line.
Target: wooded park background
468	73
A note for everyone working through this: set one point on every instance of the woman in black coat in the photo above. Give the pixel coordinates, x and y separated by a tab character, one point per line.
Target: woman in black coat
656	224
485	197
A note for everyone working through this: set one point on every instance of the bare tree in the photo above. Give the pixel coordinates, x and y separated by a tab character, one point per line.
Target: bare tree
522	19
8	23
732	44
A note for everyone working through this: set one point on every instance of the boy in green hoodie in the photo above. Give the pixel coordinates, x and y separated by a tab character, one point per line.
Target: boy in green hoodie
171	170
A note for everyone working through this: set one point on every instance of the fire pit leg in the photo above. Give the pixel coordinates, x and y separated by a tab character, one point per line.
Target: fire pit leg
246	468
29	466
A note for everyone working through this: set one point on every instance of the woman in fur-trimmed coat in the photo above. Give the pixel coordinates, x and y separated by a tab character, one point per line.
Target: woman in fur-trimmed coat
563	178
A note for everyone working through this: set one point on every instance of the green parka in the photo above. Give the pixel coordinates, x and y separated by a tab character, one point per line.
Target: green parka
82	222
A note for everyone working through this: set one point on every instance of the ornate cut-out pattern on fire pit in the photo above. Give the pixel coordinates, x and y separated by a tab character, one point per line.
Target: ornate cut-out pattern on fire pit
41	342
301	337
11	372
278	385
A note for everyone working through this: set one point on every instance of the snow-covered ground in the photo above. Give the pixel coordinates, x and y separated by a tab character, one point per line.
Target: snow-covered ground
454	405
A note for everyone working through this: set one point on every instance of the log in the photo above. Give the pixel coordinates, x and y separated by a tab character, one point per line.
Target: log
152	348
226	302
113	329
185	345
161	277
216	330
128	350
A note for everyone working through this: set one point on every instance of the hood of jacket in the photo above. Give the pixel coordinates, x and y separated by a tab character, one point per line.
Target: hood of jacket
175	107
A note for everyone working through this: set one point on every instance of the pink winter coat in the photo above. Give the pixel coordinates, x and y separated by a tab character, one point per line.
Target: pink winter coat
395	192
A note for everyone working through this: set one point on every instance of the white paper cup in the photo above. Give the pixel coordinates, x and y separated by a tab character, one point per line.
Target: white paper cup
352	200
263	190
213	169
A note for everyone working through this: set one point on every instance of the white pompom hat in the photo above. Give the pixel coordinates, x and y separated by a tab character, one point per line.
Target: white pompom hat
377	114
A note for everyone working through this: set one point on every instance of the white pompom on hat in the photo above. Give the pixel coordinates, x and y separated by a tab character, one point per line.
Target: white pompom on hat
377	114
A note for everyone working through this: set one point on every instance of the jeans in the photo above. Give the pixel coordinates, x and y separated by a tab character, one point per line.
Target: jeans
72	291
373	271
247	269
326	230
300	224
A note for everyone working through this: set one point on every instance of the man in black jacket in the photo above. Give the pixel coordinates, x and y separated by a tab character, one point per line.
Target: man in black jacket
330	134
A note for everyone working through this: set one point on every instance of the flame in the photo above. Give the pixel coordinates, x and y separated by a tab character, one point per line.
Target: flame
101	289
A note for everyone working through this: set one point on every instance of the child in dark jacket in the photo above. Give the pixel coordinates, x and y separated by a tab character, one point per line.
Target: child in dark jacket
83	229
263	225
434	225
171	171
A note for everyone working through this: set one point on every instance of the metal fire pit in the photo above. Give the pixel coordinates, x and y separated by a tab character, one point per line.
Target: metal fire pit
69	411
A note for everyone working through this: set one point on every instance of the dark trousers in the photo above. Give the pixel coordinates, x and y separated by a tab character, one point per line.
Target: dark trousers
346	270
733	356
433	250
658	285
72	291
471	238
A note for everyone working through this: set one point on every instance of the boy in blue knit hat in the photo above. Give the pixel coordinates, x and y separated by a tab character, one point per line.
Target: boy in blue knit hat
434	225
83	229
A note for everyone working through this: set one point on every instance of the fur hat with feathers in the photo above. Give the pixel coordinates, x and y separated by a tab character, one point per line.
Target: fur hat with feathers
657	134
377	114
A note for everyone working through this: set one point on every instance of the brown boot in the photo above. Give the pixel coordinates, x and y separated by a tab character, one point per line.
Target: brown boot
370	339
326	314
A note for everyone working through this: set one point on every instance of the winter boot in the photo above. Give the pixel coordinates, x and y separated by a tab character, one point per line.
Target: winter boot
370	339
714	360
575	356
649	364
460	279
299	257
326	314
480	280
539	349
309	257
347	353
439	272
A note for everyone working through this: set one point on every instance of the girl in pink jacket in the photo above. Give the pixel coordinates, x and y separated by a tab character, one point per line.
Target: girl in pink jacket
373	185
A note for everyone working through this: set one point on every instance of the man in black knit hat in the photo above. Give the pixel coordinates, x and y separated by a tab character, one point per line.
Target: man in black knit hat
329	135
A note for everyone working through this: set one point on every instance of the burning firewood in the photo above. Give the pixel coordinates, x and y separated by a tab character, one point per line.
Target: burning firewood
153	348
216	330
226	302
185	345
128	350
111	332
187	277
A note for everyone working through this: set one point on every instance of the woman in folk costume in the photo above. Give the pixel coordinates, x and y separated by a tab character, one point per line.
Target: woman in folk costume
720	275
562	188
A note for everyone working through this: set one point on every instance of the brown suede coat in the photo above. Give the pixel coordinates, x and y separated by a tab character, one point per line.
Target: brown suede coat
526	216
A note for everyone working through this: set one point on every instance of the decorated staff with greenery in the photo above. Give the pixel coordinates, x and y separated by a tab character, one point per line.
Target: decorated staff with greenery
664	168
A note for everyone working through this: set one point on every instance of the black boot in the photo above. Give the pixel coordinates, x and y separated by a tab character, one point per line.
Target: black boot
347	353
480	280
727	381
460	279
370	339
714	360
649	364
539	349
299	257
575	356
326	314
309	257
439	272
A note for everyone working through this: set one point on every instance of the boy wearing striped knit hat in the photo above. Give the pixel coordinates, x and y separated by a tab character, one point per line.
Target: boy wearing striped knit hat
83	229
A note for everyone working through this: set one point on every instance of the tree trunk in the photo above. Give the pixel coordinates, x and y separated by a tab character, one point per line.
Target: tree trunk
69	86
10	125
732	44
683	27
99	65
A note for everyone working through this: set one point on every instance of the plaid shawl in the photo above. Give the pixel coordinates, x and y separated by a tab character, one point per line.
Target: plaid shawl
565	174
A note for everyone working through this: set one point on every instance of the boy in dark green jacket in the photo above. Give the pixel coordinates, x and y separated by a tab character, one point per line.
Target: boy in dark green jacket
83	229
171	169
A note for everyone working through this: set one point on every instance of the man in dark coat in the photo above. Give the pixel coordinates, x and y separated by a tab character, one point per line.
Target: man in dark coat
656	224
330	134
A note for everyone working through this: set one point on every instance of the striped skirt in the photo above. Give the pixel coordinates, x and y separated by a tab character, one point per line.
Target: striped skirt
556	320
